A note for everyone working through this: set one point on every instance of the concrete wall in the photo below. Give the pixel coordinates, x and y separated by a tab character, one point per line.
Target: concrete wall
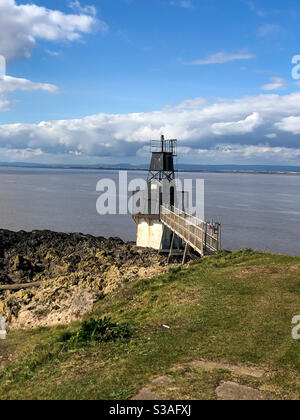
149	233
153	234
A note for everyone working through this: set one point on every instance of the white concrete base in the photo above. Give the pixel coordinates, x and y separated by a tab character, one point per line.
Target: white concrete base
151	233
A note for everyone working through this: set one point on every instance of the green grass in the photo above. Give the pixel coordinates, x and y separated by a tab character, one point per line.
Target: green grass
235	308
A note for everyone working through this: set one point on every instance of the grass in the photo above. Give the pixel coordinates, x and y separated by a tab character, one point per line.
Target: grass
234	307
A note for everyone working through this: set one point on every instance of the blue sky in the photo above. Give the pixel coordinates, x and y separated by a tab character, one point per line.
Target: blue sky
113	74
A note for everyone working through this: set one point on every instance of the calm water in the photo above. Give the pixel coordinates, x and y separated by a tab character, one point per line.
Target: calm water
256	211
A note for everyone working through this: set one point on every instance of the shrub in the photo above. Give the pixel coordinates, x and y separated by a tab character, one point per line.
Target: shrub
101	330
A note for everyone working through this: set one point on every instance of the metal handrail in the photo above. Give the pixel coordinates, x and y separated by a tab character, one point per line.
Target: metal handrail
192	230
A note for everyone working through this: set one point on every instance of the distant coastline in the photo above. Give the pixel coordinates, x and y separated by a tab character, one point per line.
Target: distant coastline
181	168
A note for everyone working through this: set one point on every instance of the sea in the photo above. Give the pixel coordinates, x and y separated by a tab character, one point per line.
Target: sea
256	210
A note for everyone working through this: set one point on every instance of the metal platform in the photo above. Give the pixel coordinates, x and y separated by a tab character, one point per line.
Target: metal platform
201	236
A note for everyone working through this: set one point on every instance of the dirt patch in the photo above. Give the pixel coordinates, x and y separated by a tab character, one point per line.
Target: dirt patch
226	390
293	267
231	391
145	394
253	371
6	358
162	381
262	270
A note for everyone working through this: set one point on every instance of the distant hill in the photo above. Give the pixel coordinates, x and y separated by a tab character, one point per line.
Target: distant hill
180	167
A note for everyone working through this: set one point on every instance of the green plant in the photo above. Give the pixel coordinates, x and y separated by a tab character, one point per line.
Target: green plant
101	330
238	312
65	336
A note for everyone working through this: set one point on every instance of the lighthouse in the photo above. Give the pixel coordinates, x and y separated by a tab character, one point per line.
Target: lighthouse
161	192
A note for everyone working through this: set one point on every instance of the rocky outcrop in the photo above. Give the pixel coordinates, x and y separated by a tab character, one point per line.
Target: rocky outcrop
75	271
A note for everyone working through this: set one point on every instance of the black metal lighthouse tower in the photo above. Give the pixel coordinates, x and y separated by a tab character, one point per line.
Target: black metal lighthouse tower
162	161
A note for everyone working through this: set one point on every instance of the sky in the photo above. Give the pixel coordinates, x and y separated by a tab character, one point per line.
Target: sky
89	81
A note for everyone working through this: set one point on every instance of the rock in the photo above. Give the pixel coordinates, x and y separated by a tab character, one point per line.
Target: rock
66	308
255	372
21	263
75	271
231	391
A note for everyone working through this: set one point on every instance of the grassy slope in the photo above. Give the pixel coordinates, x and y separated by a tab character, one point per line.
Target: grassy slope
235	308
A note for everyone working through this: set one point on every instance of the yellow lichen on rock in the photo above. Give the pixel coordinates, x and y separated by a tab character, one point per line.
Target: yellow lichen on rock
75	271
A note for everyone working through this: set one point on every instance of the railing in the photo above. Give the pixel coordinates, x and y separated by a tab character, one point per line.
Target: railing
201	236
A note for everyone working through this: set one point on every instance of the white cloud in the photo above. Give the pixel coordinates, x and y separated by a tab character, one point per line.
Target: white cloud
195	103
53	53
21	155
10	84
290	124
238	127
261	153
271	136
186	4
221	58
232	129
270	30
21	26
277	83
4	103
90	10
254	9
